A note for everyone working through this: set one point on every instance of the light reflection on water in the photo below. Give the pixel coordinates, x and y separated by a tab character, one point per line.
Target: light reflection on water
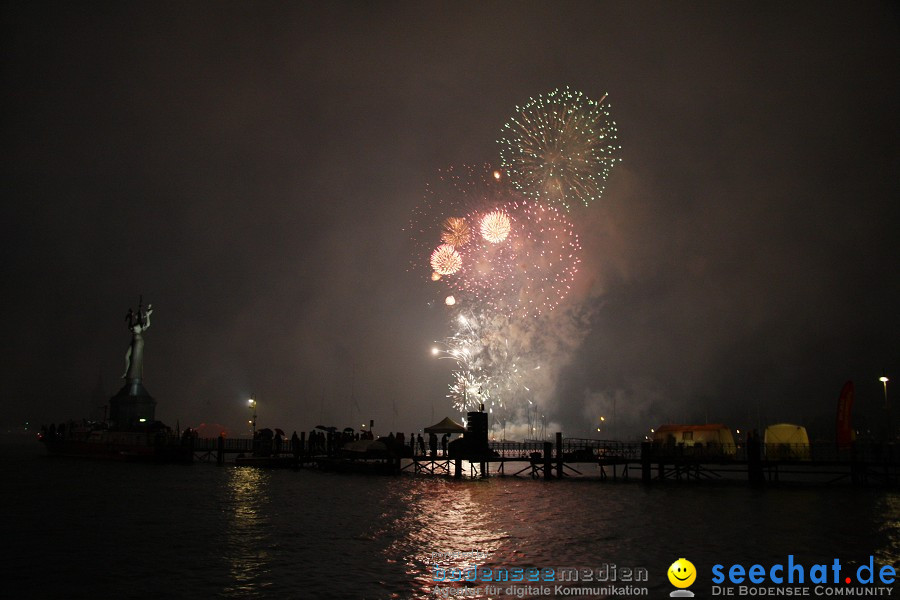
445	526
249	530
242	533
889	551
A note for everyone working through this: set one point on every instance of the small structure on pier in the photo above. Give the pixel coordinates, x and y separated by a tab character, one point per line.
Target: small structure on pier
473	445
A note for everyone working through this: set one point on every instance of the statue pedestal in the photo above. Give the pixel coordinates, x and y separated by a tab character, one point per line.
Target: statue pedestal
132	404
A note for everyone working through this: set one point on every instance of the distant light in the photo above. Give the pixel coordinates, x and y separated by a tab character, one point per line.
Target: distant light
450	301
738	430
652	430
602	418
142	420
883	379
497	175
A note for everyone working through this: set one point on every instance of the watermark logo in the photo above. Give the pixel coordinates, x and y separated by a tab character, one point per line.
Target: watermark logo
682	574
792	578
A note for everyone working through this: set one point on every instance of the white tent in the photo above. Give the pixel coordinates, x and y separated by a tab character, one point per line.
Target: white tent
447	425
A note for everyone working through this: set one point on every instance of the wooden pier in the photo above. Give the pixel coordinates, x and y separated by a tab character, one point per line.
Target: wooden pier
861	464
755	463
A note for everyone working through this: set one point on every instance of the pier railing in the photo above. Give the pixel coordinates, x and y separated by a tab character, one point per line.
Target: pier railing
861	463
601	449
586	450
230	444
592	450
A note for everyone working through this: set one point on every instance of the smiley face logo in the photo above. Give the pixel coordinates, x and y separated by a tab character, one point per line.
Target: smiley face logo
682	573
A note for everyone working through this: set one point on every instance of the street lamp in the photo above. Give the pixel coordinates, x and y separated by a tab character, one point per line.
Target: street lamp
252	404
887	409
453	355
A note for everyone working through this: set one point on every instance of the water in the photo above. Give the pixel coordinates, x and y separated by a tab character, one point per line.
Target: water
75	528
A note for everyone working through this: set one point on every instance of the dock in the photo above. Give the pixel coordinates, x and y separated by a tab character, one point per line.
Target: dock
609	460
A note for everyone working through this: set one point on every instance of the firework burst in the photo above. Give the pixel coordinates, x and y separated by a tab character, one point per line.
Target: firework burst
503	254
491	369
443	215
547	254
529	271
560	147
455	232
445	260
495	226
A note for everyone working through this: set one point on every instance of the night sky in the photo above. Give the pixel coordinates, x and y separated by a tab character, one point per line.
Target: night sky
249	168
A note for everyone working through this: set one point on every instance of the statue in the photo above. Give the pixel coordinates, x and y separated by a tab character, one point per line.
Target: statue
134	356
133	406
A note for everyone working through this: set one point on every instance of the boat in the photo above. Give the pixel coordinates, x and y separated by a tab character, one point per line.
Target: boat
152	443
131	432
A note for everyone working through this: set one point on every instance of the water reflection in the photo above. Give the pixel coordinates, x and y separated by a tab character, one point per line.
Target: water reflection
889	551
236	532
446	525
522	524
248	531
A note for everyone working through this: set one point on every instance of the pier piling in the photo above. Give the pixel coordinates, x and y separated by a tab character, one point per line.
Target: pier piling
754	461
645	462
559	455
220	450
548	470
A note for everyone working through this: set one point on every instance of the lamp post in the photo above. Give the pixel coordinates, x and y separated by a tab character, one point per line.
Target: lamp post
458	356
252	404
887	409
436	352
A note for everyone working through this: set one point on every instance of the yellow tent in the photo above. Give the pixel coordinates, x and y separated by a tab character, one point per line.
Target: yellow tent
787	441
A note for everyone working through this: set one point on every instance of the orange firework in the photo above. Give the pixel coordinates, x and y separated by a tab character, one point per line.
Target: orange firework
455	232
